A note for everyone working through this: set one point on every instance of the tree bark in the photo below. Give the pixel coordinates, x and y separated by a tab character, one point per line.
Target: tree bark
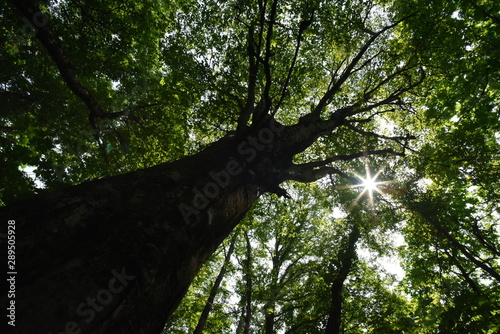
270	312
346	259
117	255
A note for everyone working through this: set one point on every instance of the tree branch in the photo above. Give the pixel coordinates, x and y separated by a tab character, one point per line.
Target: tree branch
265	104
253	69
422	208
369	93
325	100
306	174
373	134
476	230
349	70
465	275
303	26
356	108
44	33
268	54
315	170
369	118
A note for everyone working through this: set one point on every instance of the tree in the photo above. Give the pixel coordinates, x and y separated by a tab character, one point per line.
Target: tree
213	292
246	296
452	231
346	260
262	93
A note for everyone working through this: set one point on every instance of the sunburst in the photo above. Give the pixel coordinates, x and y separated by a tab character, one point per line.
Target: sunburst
369	184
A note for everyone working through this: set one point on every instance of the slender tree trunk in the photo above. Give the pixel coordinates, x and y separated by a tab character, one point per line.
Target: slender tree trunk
270	308
117	255
346	259
213	292
246	299
422	208
465	275
248	286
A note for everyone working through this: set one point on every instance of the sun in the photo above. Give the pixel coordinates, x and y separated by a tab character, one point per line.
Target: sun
369	184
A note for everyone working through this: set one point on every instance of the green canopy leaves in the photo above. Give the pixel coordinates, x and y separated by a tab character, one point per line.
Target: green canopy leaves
416	84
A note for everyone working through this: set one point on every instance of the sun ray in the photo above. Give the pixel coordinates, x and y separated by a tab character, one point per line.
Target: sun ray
369	185
357	199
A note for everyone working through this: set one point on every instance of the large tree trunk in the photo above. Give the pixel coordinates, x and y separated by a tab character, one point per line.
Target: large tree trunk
117	255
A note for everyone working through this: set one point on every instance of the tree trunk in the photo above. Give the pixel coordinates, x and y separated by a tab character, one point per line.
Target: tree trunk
346	259
246	296
422	209
464	273
270	313
117	255
270	308
213	292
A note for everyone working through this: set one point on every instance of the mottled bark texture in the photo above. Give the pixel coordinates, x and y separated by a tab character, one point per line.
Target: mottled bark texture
116	255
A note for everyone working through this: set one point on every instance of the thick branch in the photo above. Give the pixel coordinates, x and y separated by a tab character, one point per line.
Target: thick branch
265	103
373	134
268	54
315	170
31	11
306	174
253	69
262	9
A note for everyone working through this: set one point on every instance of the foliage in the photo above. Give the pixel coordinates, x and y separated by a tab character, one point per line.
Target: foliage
178	74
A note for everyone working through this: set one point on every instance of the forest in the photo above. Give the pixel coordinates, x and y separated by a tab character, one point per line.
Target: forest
250	166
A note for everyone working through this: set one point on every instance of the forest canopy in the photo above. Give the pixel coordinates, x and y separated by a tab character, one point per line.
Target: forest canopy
403	167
